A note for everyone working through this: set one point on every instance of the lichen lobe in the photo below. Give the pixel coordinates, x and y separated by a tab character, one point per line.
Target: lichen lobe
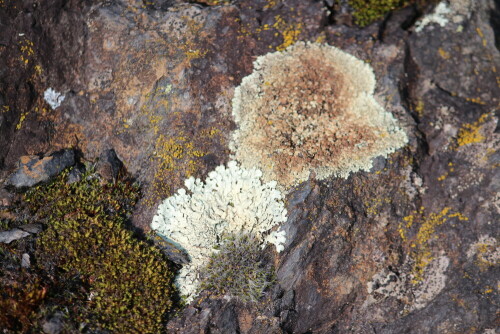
310	107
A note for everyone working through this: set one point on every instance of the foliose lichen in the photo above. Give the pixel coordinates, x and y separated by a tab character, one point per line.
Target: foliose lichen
232	200
310	107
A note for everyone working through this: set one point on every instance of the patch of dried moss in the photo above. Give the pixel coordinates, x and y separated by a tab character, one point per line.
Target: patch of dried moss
237	269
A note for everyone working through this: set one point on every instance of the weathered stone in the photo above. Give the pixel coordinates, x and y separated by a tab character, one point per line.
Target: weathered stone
31	228
33	170
75	174
25	261
109	165
7	237
54	324
288	300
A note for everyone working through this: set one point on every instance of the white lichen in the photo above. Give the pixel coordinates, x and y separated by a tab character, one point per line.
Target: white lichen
232	200
311	107
433	283
438	16
53	98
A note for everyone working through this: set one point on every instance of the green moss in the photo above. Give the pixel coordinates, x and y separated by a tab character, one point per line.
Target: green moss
368	11
129	282
237	269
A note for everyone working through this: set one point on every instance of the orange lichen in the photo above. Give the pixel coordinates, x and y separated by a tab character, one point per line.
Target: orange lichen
420	243
470	133
481	34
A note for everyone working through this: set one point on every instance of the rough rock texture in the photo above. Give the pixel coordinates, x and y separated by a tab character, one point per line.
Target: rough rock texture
11	235
409	247
33	170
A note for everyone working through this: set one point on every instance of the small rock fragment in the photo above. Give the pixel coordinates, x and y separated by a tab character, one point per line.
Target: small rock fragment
54	324
7	237
32	228
75	175
33	170
25	261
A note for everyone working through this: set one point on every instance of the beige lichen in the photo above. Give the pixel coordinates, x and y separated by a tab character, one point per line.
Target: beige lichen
311	107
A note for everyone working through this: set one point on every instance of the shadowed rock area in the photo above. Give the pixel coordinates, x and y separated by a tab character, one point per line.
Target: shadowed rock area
409	247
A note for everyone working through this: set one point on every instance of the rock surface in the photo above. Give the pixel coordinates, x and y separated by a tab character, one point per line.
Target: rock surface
409	247
33	170
12	235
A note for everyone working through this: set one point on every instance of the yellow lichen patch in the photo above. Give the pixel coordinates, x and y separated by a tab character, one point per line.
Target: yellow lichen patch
486	252
445	55
420	243
476	100
173	155
215	2
4	108
451	169
271	4
21	120
373	205
419	108
289	31
38	70
190	46
470	133
27	52
481	34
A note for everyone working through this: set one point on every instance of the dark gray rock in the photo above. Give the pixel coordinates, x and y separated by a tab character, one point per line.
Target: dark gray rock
288	300
32	228
75	174
225	321
109	165
33	170
343	236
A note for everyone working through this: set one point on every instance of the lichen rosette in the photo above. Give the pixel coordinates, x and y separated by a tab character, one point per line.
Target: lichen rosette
310	107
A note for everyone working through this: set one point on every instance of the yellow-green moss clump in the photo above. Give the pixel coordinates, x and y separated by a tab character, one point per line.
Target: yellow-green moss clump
368	11
129	283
